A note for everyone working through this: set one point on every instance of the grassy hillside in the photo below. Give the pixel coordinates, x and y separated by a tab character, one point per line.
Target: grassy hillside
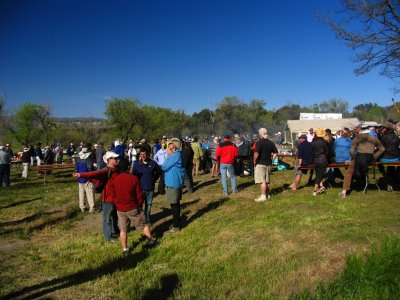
294	245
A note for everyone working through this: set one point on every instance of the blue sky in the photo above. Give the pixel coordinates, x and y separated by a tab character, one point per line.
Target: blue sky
74	55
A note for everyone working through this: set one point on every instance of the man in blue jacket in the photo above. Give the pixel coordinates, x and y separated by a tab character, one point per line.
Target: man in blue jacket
174	176
148	172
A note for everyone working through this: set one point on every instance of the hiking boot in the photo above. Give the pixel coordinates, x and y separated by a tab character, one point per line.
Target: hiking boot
261	198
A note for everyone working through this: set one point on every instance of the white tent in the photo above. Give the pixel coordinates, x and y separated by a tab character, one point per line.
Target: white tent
302	126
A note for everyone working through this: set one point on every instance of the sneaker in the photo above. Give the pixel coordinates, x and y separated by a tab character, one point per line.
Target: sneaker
112	241
322	189
342	195
389	188
224	194
173	230
235	192
126	252
261	198
316	193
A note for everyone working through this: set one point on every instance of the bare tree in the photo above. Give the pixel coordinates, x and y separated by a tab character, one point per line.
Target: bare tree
372	29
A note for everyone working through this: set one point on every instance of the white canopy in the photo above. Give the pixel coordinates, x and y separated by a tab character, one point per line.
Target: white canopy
302	126
297	126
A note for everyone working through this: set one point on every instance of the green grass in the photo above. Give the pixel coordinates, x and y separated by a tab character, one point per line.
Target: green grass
295	245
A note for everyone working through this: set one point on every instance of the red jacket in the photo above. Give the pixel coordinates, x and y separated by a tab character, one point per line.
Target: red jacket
107	194
226	152
128	193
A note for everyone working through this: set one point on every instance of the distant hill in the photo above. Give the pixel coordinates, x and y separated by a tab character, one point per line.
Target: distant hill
81	121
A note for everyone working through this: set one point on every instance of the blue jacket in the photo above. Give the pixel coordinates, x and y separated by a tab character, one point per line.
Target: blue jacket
83	166
342	147
147	173
174	172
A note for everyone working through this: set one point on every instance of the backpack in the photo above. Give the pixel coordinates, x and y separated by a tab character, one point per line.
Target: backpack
99	184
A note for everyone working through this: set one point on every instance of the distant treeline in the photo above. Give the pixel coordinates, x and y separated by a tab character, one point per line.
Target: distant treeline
128	119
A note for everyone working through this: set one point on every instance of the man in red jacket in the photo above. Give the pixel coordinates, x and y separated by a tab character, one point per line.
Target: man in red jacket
129	201
226	154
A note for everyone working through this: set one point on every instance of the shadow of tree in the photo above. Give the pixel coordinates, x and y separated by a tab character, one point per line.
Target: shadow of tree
19	203
168	284
41	289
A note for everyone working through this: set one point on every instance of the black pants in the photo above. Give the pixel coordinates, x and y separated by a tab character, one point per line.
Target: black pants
161	184
189	180
319	172
176	215
5	175
364	160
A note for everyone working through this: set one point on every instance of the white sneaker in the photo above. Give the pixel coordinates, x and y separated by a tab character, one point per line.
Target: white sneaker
261	198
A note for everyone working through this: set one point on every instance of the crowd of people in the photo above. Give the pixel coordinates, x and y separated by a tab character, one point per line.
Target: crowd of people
358	149
126	174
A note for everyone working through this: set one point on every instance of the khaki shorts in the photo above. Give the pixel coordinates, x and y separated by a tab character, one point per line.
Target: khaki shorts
132	217
261	174
173	195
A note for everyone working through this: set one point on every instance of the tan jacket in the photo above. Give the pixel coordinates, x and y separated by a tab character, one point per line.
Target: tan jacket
367	144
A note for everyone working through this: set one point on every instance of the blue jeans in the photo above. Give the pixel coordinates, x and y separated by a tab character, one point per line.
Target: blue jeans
110	219
224	168
148	202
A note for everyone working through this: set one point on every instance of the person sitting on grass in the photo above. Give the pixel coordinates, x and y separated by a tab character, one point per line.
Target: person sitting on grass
128	201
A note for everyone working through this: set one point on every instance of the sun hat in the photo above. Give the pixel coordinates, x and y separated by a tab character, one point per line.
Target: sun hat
263	132
320	132
108	155
117	143
84	153
177	142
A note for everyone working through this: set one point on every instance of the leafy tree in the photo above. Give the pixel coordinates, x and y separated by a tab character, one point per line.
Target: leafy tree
334	106
124	115
372	29
31	123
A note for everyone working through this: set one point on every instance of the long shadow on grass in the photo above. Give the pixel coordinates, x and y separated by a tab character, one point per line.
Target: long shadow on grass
29	218
41	226
185	221
210	206
204	184
168	284
39	290
19	203
166	212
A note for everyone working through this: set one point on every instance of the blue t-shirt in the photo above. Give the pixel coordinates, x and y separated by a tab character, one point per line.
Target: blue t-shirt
342	147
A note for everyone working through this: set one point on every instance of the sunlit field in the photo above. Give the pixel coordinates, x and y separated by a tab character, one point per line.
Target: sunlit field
293	246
